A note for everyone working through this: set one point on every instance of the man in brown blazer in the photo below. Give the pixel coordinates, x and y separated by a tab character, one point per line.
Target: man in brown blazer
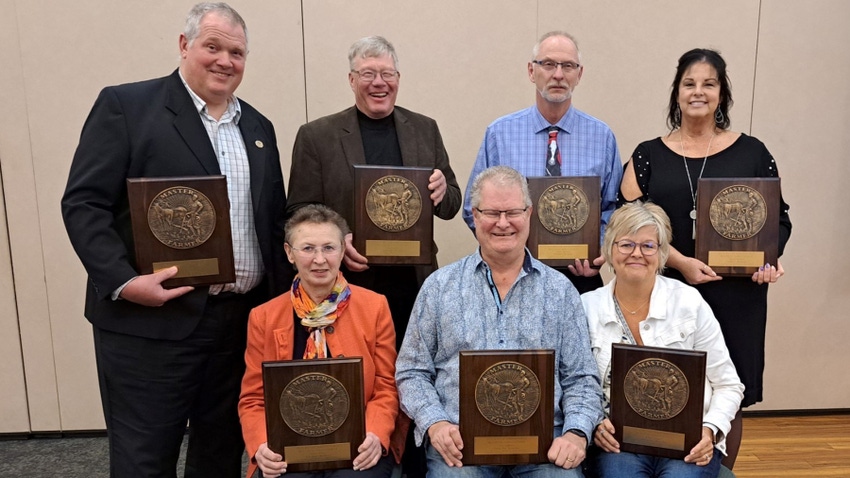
373	131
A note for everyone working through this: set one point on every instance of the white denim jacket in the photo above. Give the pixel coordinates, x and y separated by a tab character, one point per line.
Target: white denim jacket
678	318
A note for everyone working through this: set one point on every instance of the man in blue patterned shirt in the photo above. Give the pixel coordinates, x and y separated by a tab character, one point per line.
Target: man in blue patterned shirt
586	145
498	298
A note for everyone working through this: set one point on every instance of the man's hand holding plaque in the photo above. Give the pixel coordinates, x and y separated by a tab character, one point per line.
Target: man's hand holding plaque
506	406
394	214
182	222
565	220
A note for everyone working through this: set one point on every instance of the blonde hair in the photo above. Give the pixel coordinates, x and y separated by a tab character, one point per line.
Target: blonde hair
629	219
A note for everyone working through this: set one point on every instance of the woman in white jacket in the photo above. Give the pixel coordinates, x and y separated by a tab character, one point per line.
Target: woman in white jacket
642	307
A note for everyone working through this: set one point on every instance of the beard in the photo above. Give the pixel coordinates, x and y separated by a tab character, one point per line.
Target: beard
556	97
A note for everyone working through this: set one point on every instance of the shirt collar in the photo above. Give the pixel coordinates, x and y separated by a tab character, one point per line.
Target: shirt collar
566	123
529	264
234	109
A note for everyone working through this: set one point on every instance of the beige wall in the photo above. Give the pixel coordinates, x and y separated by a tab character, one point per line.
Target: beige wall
462	63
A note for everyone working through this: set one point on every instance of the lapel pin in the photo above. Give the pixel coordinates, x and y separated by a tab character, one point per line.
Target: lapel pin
259	144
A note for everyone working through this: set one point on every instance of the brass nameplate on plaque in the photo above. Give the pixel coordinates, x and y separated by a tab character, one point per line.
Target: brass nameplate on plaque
315	411
183	222
506	406
506	445
562	251
735	259
654	438
737	224
393	248
393	214
317	453
656	395
191	268
565	219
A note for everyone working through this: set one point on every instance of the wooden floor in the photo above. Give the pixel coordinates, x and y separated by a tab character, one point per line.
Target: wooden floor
799	446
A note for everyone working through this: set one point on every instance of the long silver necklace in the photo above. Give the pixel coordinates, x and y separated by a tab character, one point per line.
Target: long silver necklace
693	213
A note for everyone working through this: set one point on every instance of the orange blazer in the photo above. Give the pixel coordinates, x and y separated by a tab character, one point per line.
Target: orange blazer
365	329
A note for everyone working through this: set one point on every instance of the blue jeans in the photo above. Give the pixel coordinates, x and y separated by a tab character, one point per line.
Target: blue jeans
437	468
631	465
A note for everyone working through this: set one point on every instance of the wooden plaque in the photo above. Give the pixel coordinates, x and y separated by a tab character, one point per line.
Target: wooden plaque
183	222
315	412
657	399
565	219
507	406
737	224
393	214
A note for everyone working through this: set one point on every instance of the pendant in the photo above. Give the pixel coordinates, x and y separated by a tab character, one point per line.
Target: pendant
694	233
693	214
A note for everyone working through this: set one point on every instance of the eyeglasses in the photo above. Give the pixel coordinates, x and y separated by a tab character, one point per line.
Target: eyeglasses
550	66
495	215
646	248
369	76
328	250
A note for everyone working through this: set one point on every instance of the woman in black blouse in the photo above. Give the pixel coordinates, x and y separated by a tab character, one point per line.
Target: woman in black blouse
666	171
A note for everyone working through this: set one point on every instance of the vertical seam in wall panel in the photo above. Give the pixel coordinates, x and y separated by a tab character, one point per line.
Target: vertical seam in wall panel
304	61
755	69
11	256
15	297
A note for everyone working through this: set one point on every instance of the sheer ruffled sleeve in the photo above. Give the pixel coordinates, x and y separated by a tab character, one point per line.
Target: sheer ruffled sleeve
769	169
640	160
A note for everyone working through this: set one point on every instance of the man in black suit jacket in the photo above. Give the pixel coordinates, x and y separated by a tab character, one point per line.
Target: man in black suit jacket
373	131
168	356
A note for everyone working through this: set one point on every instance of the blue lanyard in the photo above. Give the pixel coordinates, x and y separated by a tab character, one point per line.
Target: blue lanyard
494	289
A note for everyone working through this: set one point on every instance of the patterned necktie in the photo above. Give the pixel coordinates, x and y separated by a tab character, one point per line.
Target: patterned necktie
553	156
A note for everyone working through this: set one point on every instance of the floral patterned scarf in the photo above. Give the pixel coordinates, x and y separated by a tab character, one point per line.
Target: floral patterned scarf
315	317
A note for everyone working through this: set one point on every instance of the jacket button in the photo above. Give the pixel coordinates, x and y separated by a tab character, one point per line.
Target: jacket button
646	327
682	335
329	329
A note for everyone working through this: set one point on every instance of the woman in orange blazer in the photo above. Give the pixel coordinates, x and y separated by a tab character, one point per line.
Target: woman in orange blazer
322	316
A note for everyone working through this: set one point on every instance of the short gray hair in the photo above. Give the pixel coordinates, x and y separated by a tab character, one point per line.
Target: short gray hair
633	216
554	33
199	11
371	47
498	176
315	214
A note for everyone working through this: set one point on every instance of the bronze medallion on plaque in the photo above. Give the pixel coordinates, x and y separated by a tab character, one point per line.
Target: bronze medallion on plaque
657	399
506	406
394	222
314	404
315	412
393	203
507	394
183	222
565	219
737	228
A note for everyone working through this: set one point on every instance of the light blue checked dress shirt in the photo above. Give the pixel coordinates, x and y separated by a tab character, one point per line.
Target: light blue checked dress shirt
226	139
456	310
520	140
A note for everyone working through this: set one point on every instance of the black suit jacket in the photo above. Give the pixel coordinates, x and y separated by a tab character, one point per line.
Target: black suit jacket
327	149
152	129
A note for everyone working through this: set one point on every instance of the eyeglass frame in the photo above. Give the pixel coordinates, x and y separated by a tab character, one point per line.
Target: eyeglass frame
487	213
393	75
634	245
313	251
566	66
